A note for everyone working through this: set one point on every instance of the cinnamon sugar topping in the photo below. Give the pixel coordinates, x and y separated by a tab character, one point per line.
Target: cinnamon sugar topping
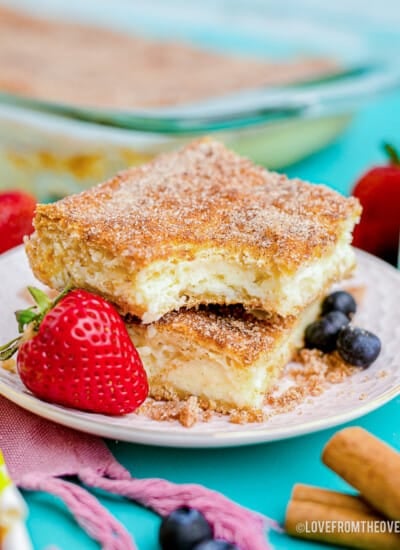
230	328
205	196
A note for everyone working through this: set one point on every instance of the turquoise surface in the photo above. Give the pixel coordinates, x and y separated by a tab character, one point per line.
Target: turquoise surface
259	476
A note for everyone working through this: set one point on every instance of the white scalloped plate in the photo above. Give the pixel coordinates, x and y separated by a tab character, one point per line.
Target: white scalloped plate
358	395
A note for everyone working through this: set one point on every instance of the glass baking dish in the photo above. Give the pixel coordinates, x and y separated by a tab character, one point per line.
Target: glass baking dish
54	149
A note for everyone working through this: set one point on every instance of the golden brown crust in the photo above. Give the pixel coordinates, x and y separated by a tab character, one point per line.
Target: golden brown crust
84	65
226	329
204	197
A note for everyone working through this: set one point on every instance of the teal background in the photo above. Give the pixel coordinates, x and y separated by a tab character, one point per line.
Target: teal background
259	476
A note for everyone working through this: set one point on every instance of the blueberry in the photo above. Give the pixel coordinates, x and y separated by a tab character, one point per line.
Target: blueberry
358	347
215	544
322	334
339	301
183	529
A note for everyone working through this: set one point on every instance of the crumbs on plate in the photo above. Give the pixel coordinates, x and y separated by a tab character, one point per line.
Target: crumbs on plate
186	411
310	375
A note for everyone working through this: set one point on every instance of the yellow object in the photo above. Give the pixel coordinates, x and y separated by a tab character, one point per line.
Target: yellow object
13	512
4	477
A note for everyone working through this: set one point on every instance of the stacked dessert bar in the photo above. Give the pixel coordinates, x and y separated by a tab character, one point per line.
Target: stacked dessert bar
217	265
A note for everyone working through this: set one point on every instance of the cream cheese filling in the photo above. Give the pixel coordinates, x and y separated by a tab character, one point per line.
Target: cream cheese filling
169	285
174	362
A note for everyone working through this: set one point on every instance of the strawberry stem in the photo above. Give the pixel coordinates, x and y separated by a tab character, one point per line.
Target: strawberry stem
392	153
60	296
9	349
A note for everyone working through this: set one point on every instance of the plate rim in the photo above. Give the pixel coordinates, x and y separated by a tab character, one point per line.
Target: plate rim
175	439
92	423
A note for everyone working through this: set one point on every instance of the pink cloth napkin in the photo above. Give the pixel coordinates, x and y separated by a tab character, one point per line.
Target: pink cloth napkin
39	452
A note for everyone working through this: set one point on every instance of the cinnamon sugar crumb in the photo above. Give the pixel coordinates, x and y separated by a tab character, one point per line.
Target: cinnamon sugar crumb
9	365
287	401
190	412
208	415
311	374
325	366
187	412
246	417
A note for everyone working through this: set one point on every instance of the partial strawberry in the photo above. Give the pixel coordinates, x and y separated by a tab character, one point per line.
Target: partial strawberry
379	193
16	214
77	352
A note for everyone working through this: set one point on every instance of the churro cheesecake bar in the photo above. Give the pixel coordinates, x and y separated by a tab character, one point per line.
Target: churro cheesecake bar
198	226
224	355
33	49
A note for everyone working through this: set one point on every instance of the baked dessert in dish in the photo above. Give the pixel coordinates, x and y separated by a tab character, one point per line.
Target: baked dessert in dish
64	62
223	355
198	226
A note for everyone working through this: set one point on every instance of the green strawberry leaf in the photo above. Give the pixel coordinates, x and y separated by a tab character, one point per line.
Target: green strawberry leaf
41	299
25	316
33	316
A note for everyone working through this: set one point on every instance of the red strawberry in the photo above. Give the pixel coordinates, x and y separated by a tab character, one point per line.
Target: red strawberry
16	214
78	354
379	193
